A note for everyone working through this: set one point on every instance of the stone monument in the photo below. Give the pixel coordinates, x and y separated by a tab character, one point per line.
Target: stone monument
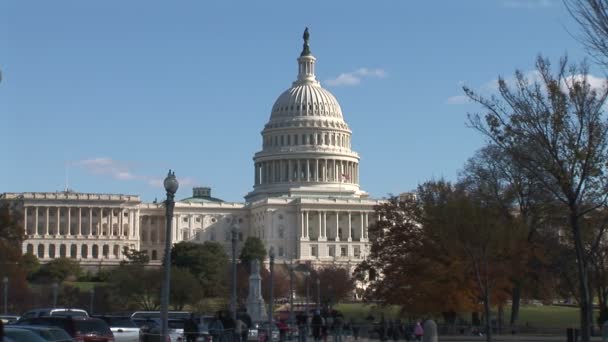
430	331
255	302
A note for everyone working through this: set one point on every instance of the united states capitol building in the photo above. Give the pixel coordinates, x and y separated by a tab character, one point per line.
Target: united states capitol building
306	200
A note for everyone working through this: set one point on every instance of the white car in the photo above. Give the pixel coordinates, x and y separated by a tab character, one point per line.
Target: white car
123	328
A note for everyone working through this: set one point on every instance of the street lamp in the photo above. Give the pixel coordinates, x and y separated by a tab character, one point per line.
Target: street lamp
271	296
307	275
318	294
5	282
55	287
92	300
291	267
234	230
171	184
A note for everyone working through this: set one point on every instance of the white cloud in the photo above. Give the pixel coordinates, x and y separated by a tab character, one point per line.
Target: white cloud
596	83
458	100
119	170
528	3
354	77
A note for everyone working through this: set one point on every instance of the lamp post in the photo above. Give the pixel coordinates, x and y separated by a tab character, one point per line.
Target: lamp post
234	231
318	294
55	287
92	300
291	316
171	184
271	296
5	282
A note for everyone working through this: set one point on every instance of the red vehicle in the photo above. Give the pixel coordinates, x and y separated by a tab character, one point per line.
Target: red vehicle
82	329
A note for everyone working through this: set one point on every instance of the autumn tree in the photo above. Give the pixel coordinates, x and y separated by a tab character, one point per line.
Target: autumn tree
553	127
11	239
185	288
136	286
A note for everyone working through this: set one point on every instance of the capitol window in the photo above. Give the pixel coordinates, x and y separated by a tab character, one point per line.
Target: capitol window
198	219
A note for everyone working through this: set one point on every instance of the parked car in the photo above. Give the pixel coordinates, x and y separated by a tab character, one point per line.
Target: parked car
83	329
9	319
123	328
150	331
61	312
22	335
51	334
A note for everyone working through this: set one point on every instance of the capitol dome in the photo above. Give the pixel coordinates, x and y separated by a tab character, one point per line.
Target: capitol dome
306	144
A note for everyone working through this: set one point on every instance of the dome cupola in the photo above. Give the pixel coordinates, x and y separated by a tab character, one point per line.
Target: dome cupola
306	144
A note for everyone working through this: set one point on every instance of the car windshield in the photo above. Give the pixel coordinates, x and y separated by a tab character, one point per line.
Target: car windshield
141	322
69	313
119	322
92	326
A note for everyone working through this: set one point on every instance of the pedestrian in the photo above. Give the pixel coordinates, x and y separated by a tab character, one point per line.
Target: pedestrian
191	329
216	328
354	326
239	328
338	326
317	325
383	328
418	331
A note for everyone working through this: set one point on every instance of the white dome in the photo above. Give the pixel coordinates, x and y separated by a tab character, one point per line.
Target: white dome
306	100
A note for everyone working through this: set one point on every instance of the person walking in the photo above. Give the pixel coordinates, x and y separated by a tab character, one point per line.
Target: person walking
216	328
317	325
191	329
418	331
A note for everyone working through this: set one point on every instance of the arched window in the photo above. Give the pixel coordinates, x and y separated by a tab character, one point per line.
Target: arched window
84	251
40	251
30	248
95	252
62	251
73	251
52	251
105	250
116	251
154	255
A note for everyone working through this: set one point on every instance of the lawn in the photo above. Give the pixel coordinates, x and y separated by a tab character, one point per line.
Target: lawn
537	316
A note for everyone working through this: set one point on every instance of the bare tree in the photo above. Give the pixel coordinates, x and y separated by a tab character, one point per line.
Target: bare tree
592	16
554	128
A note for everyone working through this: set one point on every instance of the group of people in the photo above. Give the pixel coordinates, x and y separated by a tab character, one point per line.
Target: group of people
223	327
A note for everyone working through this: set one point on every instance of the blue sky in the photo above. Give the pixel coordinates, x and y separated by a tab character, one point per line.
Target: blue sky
118	92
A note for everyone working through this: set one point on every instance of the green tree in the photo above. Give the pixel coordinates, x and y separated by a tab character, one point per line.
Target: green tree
136	286
11	239
134	256
208	262
185	288
59	269
554	128
252	249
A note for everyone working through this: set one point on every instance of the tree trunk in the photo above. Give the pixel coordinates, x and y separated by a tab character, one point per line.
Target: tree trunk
488	315
585	297
515	301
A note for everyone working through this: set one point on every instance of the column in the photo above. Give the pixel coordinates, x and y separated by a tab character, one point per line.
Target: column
99	225
111	222
366	224
362	227
90	221
319	226
58	221
79	221
25	219
48	219
337	226
308	170
69	221
255	174
306	230
121	222
316	170
325	226
36	221
350	234
302	234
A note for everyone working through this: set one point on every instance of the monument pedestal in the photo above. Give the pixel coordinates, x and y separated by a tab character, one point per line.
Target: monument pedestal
255	302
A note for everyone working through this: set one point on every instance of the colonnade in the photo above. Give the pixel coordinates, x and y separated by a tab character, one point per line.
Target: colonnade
80	222
307	170
76	250
311	138
324	225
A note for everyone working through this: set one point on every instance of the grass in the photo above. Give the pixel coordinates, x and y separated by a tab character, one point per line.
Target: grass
537	316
